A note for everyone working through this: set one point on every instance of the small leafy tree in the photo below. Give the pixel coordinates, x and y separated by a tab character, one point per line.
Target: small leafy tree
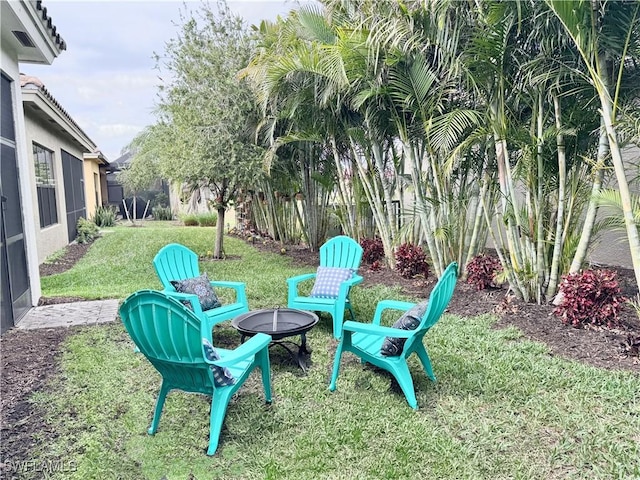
137	177
207	114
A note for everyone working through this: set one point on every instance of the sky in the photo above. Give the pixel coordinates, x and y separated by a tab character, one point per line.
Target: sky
106	78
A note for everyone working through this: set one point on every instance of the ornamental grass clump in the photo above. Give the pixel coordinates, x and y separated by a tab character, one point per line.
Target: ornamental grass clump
105	216
208	219
482	271
190	220
590	297
411	261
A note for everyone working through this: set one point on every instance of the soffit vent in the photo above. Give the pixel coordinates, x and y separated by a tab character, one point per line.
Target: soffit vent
24	39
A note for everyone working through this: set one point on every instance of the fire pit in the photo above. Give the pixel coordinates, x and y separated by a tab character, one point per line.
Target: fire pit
280	323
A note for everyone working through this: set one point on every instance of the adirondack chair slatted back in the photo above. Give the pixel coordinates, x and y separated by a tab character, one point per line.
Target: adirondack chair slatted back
440	297
168	335
341	251
438	301
175	262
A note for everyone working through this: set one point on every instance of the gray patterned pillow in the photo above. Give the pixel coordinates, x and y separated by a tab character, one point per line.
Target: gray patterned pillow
222	376
392	346
201	287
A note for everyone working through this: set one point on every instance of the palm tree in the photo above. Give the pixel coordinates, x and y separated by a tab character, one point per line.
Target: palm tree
605	34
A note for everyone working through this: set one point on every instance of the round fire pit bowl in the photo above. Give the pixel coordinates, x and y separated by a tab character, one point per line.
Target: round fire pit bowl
280	323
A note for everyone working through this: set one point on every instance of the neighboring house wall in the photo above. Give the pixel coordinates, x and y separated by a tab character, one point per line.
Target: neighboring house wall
612	246
51	237
95	181
28	36
64	168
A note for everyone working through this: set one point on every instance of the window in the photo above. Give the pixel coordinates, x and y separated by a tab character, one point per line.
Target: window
46	185
96	185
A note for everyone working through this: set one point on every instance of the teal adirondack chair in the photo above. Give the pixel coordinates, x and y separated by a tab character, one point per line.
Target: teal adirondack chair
365	340
177	262
340	252
171	337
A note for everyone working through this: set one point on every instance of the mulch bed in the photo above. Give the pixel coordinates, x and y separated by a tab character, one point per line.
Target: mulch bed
28	358
600	347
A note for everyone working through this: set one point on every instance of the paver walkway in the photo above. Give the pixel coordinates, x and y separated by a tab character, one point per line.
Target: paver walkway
70	314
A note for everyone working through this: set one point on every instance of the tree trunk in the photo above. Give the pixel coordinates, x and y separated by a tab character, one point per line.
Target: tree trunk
218	250
623	186
562	178
592	210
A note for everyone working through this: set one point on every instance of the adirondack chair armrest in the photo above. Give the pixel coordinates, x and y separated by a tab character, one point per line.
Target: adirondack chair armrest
294	281
379	330
239	287
390	305
247	349
292	284
190	297
347	284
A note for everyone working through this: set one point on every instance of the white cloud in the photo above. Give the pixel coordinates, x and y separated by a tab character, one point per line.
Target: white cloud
119	130
106	79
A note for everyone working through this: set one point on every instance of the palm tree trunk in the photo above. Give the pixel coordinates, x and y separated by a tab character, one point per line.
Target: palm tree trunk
540	195
623	186
592	210
372	193
562	179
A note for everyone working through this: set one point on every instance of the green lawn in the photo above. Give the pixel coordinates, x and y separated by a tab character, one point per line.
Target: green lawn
502	408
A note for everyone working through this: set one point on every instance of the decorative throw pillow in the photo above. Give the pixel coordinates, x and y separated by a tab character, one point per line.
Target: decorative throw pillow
201	287
328	281
221	375
392	346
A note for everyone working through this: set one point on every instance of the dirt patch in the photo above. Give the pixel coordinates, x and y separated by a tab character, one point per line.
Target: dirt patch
28	358
72	253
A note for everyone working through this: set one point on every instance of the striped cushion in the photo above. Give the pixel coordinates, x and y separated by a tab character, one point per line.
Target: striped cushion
221	375
392	346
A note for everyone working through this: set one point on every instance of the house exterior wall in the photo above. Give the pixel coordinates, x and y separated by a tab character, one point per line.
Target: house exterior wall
91	186
35	41
104	190
23	157
53	237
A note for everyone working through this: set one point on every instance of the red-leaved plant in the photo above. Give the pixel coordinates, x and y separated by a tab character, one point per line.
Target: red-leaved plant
411	261
481	271
590	297
372	250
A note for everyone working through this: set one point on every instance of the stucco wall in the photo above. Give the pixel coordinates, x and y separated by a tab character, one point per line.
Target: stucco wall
91	183
10	68
612	247
54	237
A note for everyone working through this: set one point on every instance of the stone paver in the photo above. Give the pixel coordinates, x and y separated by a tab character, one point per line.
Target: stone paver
70	314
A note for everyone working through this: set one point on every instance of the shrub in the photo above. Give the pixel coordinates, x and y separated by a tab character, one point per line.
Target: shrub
105	216
208	219
372	250
87	230
591	297
190	220
411	261
160	200
482	270
162	213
